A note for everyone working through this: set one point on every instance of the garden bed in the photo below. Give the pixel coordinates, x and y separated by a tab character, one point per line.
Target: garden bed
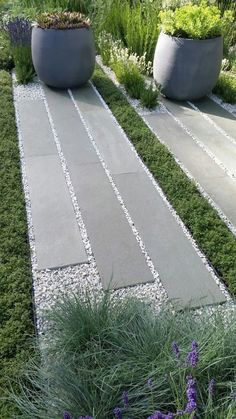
15	271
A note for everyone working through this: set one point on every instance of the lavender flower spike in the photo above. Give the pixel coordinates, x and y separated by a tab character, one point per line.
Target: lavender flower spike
67	415
191	395
194	345
150	383
211	387
118	413
175	349
125	397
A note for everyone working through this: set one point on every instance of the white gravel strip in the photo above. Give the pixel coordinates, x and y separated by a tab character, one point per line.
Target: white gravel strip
222	287
216	126
227	106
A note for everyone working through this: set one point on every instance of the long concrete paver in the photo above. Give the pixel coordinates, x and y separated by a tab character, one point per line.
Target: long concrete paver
220	187
219	145
219	115
118	255
58	240
182	271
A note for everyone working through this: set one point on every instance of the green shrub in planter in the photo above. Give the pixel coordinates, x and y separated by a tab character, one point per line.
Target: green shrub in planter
195	22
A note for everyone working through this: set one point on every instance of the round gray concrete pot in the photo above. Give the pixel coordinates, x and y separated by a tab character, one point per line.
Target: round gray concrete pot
187	68
63	58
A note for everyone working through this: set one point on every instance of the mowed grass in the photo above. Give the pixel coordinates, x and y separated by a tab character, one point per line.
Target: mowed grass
16	325
206	227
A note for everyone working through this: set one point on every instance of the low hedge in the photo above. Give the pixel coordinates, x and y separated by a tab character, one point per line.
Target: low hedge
16	325
206	227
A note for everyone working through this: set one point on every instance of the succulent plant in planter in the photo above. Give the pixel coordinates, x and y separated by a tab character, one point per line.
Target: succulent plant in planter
63	49
189	50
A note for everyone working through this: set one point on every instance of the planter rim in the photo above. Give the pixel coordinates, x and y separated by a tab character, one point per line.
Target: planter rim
191	39
61	30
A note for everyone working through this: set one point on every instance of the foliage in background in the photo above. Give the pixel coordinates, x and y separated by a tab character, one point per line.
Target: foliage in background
82	6
104	349
16	324
128	68
136	23
19	31
62	20
6	60
226	87
195	22
209	231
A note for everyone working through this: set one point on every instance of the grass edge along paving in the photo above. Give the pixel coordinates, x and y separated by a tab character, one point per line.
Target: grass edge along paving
16	319
210	232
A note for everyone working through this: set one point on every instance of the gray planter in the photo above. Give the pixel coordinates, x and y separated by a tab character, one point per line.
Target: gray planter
187	68
63	58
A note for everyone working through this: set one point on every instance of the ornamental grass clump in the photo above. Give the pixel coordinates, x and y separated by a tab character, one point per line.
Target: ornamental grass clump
195	21
121	359
62	20
19	31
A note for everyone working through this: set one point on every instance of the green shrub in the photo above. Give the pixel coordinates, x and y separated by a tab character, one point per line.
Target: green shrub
149	96
62	20
136	24
19	30
226	87
16	319
99	350
6	60
129	75
195	22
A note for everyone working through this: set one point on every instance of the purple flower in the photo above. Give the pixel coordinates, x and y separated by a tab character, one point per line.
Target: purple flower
85	417
150	383
194	345
67	415
175	349
191	395
118	413
19	30
193	358
211	386
125	397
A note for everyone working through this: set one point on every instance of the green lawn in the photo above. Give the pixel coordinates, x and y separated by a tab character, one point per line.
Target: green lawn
210	232
16	325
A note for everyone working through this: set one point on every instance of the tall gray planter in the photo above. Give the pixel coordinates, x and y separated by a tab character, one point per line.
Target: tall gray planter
63	58
187	68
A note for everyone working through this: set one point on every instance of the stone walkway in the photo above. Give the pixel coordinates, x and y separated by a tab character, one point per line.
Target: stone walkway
202	136
75	154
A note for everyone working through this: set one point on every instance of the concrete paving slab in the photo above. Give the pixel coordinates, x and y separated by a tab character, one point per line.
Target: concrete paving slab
220	187
57	236
107	135
70	128
36	131
218	114
181	270
119	258
218	144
